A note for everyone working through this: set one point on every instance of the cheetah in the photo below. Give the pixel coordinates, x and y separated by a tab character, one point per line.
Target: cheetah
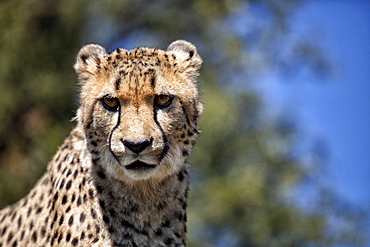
121	177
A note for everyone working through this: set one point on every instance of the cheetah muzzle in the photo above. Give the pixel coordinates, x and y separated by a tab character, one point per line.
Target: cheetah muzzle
120	178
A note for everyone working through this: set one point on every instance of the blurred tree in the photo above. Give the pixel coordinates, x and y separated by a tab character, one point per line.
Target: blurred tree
38	43
248	178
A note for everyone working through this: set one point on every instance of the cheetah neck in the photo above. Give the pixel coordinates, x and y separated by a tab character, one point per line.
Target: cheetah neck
142	211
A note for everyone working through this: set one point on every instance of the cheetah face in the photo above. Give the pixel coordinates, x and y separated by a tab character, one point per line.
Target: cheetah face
139	108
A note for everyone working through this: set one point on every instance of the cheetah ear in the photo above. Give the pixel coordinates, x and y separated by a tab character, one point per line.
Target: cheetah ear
87	59
186	53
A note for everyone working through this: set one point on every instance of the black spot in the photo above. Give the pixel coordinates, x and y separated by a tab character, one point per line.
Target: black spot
82	217
166	223
29	211
106	219
31	225
75	174
56	195
126	224
61	184
74	241
158	232
70	221
68	209
93	213
102	204
54	220
127	236
69	184
101	174
152	82
91	193
112	213
99	189
65	157
84	57
185	153
161	205
68	237
69	172
178	215
64	199
118	83
97	229
191	54
60	237
10	236
184	204
61	220
63	148
168	241
19	221
34	237
85	198
82	235
79	201
95	240
14	243
43	232
64	170
181	176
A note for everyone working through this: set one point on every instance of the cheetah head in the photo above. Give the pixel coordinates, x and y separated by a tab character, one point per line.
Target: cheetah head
139	108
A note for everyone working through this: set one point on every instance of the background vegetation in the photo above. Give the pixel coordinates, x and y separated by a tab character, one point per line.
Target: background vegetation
253	184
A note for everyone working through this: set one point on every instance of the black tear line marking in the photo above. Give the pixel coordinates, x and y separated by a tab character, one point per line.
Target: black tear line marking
111	134
164	137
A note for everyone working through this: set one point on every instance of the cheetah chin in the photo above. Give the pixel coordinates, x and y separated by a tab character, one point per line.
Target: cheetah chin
138	165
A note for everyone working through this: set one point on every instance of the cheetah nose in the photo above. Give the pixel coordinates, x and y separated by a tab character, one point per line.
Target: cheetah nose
137	147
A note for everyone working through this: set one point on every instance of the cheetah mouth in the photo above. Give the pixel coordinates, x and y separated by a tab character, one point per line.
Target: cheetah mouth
138	165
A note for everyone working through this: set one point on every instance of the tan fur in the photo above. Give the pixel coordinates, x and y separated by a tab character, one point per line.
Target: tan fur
120	178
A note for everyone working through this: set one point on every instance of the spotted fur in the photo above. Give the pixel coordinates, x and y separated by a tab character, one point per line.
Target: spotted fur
120	178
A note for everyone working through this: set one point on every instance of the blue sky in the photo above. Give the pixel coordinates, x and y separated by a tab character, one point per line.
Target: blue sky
335	108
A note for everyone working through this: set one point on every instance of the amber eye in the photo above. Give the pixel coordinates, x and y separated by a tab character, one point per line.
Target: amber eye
110	103
162	101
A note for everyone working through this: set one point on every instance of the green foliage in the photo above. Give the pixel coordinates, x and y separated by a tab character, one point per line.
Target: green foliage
38	41
247	177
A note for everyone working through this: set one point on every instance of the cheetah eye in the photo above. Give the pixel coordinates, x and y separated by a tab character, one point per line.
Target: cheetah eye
162	101
110	103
